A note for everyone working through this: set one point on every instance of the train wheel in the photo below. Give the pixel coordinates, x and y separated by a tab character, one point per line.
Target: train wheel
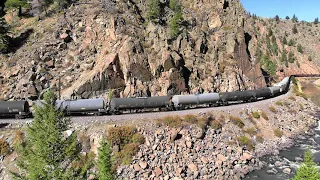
97	113
225	103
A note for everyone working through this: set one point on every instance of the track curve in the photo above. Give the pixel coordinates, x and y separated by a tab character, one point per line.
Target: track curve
154	115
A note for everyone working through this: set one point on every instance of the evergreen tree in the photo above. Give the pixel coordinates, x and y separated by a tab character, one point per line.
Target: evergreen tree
153	12
294	19
277	18
4	38
176	19
299	48
294	29
104	162
284	40
316	21
287	17
308	170
47	151
291	58
16	4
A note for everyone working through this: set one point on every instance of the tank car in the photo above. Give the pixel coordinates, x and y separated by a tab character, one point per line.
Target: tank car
181	101
275	90
117	105
263	93
96	106
18	109
236	96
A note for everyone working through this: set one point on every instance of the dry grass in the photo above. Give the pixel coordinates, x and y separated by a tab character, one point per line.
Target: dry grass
120	135
4	147
18	138
264	115
245	141
273	109
251	131
171	121
279	103
292	98
237	121
255	114
215	125
190	118
128	140
259	138
278	132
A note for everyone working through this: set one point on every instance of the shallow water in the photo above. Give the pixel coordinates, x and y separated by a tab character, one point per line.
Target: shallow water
288	157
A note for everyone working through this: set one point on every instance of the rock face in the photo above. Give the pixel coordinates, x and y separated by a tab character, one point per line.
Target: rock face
94	48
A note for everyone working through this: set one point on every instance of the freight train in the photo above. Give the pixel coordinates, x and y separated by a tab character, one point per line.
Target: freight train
98	106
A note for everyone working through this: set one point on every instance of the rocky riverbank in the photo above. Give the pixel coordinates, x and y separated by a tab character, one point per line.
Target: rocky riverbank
182	153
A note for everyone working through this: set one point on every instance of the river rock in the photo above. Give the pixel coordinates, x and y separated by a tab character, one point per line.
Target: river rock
287	170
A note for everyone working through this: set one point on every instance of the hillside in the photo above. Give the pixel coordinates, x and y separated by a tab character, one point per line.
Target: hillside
97	46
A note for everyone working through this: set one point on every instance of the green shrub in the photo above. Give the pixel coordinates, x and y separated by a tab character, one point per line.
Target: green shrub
237	121
272	109
245	141
129	150
154	10
278	132
256	114
292	98
251	131
120	135
299	48
190	118
172	121
264	115
138	138
215	125
4	147
279	103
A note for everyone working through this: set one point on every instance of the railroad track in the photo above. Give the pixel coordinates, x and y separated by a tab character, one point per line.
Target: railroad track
232	109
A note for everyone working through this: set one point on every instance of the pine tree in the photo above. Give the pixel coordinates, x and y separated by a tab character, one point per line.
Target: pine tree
153	12
284	40
316	21
294	29
308	170
299	48
176	19
287	17
294	18
16	4
277	18
47	152
4	38
104	162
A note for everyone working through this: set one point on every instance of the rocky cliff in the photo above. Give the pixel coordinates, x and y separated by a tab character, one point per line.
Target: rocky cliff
97	46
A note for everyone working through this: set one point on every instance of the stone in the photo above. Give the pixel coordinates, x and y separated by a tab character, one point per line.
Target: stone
221	157
143	164
246	157
204	160
189	144
299	159
193	167
179	171
278	163
287	170
136	167
157	171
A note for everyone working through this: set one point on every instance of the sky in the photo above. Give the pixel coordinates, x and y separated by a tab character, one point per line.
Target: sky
306	10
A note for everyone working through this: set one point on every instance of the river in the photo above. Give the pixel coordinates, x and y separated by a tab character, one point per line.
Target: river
284	165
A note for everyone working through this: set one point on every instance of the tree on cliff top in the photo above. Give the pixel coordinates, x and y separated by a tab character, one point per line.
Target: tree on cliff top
153	12
48	151
308	170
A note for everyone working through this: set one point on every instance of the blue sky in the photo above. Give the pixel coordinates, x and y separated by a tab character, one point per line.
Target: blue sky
306	10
